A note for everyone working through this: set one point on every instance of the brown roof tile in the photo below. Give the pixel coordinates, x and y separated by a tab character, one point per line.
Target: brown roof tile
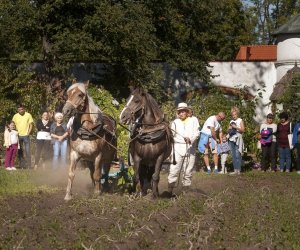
257	53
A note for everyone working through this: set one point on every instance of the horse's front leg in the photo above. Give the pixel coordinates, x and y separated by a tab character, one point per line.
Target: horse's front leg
156	175
137	183
97	174
74	158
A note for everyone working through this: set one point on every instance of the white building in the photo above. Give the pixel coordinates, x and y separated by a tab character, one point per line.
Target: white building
288	46
262	66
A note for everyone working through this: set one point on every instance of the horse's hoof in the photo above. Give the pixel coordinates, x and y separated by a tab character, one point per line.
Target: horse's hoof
68	197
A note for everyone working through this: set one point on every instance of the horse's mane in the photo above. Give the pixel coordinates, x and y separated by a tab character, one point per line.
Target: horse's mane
153	105
93	108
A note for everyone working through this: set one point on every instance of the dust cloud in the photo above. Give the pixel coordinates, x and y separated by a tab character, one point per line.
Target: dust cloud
58	178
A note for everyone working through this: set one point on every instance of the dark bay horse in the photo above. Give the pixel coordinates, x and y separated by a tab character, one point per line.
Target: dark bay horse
151	139
92	135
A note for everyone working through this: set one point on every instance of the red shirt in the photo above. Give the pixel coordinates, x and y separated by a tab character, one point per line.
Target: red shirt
282	135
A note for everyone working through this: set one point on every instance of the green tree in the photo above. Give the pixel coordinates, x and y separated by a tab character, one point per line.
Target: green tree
269	15
129	36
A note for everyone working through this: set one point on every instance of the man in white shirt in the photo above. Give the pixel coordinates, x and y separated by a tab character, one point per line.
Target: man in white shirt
210	140
185	131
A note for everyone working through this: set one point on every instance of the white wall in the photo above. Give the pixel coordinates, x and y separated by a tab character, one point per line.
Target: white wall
288	52
255	75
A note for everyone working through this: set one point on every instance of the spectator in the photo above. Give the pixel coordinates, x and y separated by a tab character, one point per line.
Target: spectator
43	139
208	139
24	124
284	128
236	143
186	131
267	140
59	135
11	143
296	143
223	151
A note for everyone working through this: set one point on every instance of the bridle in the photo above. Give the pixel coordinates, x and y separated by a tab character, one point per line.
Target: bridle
133	119
79	103
137	121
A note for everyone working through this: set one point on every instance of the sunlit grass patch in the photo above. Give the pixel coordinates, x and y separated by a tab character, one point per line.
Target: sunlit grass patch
19	182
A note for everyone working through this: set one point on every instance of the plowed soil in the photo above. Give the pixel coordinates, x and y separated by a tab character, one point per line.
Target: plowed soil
249	211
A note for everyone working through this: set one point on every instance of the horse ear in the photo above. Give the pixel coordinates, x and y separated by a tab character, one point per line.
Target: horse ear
86	84
74	81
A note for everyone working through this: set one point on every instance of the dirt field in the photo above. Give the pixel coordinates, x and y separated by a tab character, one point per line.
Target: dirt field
250	211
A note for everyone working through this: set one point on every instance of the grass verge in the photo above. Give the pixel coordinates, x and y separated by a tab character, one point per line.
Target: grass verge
19	183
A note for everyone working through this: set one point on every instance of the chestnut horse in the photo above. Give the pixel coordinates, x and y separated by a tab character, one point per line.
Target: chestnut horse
151	139
92	135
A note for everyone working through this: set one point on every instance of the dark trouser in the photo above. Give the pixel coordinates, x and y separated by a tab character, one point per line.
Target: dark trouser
24	153
268	156
43	149
298	156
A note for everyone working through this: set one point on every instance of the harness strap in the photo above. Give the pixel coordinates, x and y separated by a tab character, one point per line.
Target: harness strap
98	136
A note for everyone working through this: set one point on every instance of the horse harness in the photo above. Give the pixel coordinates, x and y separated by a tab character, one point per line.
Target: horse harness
150	135
95	132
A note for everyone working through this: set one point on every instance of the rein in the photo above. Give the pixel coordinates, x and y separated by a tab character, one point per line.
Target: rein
148	124
98	136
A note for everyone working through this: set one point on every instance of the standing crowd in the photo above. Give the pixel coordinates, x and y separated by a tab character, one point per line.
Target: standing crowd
281	137
51	140
213	140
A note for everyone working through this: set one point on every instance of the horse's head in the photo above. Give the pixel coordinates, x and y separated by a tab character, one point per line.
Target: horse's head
134	107
77	99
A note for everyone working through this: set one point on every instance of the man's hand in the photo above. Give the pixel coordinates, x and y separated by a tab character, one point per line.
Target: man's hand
187	140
